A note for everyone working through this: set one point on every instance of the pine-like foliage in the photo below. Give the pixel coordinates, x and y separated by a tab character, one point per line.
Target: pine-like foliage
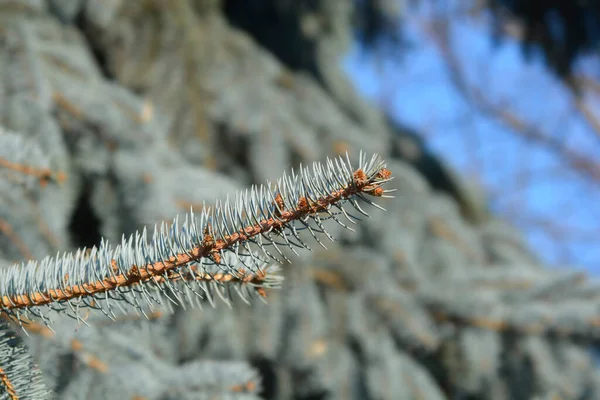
206	256
209	255
147	111
19	377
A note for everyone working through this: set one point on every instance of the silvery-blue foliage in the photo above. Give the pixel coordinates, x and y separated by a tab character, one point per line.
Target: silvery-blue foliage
149	113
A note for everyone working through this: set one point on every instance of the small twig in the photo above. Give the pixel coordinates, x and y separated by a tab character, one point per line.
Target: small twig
8	386
44	175
269	219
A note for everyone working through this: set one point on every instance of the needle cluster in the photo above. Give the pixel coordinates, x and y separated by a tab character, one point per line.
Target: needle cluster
226	249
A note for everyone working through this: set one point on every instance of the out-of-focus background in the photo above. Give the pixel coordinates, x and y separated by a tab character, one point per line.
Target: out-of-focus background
506	92
476	283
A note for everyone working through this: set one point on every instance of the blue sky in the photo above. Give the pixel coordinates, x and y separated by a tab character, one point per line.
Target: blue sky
527	183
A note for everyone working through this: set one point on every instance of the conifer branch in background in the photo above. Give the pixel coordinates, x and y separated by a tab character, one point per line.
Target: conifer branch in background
22	159
204	256
19	377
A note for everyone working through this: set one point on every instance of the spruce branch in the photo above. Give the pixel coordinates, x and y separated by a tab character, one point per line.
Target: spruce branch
21	159
19	377
206	255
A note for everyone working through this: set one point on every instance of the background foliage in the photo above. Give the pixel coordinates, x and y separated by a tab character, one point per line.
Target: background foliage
507	93
133	112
